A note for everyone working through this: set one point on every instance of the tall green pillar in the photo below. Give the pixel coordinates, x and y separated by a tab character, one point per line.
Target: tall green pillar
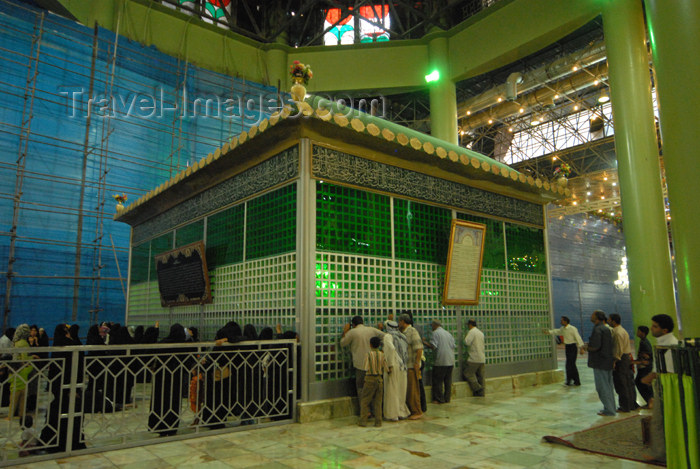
443	93
674	33
646	236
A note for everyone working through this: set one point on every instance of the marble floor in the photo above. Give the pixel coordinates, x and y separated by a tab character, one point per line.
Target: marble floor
502	430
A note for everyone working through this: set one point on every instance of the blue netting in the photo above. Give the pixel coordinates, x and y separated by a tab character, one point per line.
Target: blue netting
131	148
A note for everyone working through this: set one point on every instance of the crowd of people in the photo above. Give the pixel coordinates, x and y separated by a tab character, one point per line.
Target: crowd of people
220	381
611	357
388	362
389	382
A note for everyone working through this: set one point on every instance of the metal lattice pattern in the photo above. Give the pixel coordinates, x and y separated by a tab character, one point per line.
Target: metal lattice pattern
261	292
129	395
513	307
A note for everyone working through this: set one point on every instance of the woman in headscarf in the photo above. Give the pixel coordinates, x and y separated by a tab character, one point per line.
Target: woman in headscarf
75	334
150	336
121	368
94	398
166	398
266	334
215	373
21	371
33	338
395	350
138	334
43	342
55	432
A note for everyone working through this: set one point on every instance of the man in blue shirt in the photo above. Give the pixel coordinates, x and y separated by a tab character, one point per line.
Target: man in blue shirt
443	344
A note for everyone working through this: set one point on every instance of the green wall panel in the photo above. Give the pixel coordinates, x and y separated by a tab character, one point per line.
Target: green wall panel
159	245
494	248
225	237
271	223
352	221
189	234
525	249
421	231
139	263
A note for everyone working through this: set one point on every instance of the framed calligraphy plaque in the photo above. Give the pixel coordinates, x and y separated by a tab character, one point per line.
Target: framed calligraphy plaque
463	273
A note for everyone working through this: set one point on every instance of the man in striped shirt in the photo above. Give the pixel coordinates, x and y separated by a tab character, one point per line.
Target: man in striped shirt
373	390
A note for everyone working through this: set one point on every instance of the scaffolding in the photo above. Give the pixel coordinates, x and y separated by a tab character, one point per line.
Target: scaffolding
85	114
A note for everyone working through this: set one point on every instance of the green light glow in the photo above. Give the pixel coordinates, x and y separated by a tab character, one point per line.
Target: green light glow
433	76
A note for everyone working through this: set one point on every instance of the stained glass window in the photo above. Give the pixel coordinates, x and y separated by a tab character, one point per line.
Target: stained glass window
371	25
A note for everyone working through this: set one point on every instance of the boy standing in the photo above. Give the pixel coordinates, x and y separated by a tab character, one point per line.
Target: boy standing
373	390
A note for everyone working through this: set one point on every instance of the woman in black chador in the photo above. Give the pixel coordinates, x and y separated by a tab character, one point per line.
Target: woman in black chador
168	368
122	368
94	398
55	432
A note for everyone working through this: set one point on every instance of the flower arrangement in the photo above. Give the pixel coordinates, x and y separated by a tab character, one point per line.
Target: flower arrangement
563	170
120	198
302	72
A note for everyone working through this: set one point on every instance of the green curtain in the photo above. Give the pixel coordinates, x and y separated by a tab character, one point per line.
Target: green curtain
673	422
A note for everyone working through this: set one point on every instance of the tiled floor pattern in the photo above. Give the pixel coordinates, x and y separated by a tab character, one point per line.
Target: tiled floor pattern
501	431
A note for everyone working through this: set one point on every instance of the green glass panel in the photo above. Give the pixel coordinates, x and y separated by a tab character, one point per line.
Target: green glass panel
525	249
494	249
189	234
271	223
159	245
421	232
225	237
352	221
139	263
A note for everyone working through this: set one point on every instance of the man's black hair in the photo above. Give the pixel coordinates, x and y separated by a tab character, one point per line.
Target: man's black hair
472	322
600	315
644	329
566	318
375	342
664	321
615	318
356	320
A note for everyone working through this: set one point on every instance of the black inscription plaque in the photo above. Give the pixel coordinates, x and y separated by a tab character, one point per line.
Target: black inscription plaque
183	278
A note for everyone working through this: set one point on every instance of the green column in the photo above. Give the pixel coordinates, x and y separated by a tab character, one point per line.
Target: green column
646	236
674	33
443	93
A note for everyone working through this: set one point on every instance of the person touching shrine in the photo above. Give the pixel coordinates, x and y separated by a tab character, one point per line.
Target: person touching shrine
572	345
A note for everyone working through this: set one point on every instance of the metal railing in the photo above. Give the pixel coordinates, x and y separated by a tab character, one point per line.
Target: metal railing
83	399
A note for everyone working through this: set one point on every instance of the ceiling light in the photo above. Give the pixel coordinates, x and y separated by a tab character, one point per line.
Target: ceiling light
668	217
603	98
461	132
469	113
510	129
500	99
576	107
614	184
556	96
535	121
575	203
588	193
574	68
600	210
522	110
605	178
490	121
602	197
595	83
